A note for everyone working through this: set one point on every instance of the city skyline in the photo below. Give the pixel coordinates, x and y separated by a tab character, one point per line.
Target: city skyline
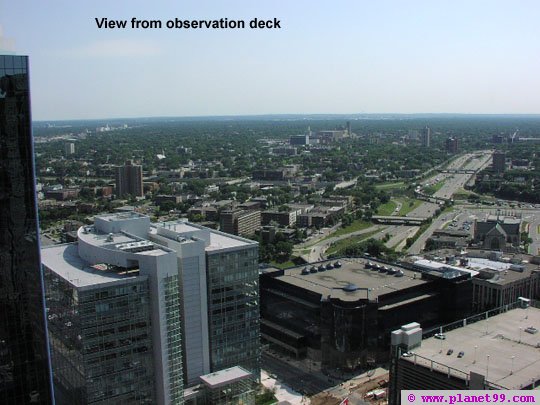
343	58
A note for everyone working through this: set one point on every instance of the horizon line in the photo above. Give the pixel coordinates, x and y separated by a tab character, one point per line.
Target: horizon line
269	115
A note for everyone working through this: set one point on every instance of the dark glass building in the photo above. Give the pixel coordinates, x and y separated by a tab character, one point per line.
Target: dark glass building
24	359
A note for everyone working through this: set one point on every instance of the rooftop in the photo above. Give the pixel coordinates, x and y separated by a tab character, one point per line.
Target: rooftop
218	240
352	281
224	377
505	348
64	260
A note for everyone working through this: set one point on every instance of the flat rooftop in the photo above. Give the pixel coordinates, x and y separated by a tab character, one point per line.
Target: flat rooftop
352	281
224	377
218	240
501	337
65	261
121	242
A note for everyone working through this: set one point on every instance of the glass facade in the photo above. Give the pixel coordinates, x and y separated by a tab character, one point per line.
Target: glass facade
233	310
24	360
100	342
174	343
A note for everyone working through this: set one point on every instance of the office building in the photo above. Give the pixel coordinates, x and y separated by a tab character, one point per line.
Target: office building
129	180
113	302
197	283
69	148
283	218
499	161
495	350
219	280
426	137
299	140
342	312
240	222
24	360
452	145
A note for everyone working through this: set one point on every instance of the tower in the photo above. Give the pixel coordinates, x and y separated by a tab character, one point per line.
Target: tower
129	180
24	357
426	137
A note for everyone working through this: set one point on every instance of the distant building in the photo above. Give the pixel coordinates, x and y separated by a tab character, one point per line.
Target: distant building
299	140
497	233
129	180
445	238
69	148
270	174
285	151
498	139
499	161
240	222
490	351
283	218
452	145
426	137
62	194
330	136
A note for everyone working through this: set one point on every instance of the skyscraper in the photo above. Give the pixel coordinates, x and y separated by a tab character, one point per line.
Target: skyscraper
24	359
499	161
129	180
426	137
452	145
114	315
139	288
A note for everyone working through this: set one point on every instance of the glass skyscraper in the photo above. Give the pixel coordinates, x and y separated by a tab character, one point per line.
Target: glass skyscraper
24	359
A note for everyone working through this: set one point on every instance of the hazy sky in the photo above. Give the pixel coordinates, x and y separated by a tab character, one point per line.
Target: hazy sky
336	56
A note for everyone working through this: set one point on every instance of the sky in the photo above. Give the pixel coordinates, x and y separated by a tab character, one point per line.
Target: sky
329	57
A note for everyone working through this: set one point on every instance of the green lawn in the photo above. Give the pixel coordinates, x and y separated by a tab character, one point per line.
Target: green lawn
387	208
390	186
430	190
357	225
343	243
283	265
407	207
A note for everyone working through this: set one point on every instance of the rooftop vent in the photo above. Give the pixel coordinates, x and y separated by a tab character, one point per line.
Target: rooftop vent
350	287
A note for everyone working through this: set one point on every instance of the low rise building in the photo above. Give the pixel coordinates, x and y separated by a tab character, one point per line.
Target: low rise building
496	350
283	218
240	222
341	312
497	233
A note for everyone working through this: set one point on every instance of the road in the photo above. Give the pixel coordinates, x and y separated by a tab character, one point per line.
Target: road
298	376
317	250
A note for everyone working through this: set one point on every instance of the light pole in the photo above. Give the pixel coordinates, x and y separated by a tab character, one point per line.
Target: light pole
487	367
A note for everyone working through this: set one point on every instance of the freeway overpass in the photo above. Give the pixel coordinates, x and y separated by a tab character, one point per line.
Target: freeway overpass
459	171
398	220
